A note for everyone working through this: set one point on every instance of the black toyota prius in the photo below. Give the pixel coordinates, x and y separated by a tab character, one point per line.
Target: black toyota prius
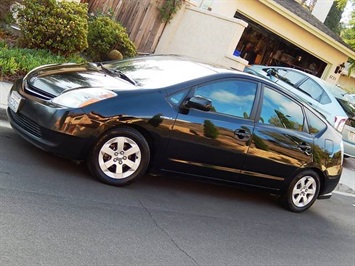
169	114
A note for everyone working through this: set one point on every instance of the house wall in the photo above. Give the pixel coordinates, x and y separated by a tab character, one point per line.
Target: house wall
346	82
303	36
203	35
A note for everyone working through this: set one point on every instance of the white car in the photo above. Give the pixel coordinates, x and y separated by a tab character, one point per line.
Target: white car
351	98
328	99
348	104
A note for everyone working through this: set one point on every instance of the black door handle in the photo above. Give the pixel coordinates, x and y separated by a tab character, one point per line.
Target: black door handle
242	134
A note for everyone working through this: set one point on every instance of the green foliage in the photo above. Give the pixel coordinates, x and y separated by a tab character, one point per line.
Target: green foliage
341	4
106	35
59	27
348	35
15	62
2	44
332	21
169	8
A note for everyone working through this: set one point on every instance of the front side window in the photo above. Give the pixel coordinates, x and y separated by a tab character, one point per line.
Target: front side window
281	111
231	97
177	97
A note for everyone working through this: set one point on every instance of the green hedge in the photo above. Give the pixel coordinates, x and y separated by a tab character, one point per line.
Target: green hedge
106	35
59	27
16	62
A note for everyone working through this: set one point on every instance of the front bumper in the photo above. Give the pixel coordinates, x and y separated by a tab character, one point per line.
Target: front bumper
61	144
62	131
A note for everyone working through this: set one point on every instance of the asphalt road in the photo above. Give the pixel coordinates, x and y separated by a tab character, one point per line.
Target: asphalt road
52	212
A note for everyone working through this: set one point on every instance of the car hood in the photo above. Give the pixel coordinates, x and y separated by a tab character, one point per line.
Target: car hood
53	80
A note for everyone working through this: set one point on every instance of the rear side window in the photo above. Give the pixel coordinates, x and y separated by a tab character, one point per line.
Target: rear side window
281	111
315	125
315	91
292	77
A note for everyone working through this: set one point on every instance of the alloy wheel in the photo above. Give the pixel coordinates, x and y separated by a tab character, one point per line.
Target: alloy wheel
304	191
119	157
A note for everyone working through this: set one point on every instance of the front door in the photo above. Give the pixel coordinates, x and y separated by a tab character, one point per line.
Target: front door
214	143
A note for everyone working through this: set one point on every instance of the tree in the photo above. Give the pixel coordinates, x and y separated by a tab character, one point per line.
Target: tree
348	35
332	21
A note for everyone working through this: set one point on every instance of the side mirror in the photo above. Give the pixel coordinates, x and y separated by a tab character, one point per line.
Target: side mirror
199	102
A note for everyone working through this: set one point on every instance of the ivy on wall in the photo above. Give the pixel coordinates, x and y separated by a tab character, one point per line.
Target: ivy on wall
169	8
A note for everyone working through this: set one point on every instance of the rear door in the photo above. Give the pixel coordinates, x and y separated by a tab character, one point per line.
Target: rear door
214	143
280	145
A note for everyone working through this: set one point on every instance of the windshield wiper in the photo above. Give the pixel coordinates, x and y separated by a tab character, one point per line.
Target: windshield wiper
117	73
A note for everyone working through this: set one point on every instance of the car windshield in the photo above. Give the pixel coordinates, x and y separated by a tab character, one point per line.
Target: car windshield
160	71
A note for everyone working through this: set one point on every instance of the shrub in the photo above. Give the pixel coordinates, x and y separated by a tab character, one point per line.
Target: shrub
106	35
16	62
59	27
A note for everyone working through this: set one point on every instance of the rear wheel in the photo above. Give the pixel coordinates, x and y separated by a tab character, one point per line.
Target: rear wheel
120	157
302	192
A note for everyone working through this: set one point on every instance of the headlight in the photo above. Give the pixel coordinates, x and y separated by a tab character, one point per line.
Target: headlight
83	97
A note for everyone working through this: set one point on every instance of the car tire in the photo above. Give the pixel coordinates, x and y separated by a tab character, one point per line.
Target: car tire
119	157
302	191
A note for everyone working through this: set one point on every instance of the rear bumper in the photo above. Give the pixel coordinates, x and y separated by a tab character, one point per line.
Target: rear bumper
330	183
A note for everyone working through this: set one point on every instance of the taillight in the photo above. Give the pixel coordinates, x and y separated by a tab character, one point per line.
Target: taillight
339	122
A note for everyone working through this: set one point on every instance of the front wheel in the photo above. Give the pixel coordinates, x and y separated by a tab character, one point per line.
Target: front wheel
120	157
302	192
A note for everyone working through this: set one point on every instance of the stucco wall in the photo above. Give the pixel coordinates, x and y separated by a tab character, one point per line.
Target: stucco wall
203	35
347	83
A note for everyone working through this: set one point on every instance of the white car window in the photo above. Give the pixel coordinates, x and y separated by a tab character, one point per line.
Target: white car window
293	77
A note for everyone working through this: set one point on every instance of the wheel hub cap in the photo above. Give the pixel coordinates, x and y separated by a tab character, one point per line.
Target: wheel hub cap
304	191
119	157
